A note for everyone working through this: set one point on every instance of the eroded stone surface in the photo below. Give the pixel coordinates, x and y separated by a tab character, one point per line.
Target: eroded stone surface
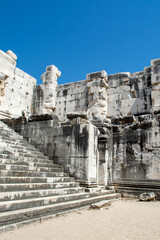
12	54
114	117
150	196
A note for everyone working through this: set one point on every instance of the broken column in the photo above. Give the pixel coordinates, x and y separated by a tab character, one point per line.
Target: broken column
97	95
49	87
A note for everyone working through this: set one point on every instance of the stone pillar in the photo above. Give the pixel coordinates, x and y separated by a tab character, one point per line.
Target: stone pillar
97	95
103	162
155	78
7	69
49	87
84	148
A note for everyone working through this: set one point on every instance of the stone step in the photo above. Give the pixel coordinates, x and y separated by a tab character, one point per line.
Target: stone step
50	169
29	164
30	155
41	201
21	147
31	173
32	186
137	183
15	179
134	192
36	186
17	141
15	162
46	165
36	202
10	217
24	151
18	167
25	158
7	130
24	163
10	136
17	195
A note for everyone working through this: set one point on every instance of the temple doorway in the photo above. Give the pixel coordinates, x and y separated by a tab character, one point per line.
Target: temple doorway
103	162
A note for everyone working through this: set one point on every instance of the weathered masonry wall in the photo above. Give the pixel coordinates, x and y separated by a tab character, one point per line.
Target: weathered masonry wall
129	94
72	145
72	97
136	148
16	88
136	93
86	117
84	96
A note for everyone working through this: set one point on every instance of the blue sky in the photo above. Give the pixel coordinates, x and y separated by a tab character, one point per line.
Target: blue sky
81	36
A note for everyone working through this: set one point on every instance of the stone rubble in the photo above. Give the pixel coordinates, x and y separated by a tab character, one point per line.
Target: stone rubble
150	196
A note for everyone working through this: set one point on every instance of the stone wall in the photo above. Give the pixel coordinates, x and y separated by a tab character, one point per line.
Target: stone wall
71	97
136	148
72	145
84	96
16	88
129	94
123	107
102	96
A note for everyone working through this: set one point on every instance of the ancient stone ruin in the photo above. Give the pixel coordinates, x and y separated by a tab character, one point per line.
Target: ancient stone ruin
104	132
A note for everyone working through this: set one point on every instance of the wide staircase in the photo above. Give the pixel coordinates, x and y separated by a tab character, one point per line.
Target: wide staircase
32	187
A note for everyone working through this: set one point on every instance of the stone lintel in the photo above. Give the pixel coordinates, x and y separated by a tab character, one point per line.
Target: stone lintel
118	76
73	115
94	75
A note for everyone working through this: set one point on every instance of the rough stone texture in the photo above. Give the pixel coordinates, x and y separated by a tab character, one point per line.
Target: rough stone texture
147	196
136	148
12	54
33	187
16	88
72	145
71	97
44	98
129	93
106	127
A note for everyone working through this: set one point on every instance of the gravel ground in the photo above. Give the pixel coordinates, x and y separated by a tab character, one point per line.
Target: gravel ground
123	220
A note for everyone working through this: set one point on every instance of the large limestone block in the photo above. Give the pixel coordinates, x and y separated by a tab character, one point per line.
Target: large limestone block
94	75
12	54
122	89
114	97
155	94
156	102
6	68
126	95
5	57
